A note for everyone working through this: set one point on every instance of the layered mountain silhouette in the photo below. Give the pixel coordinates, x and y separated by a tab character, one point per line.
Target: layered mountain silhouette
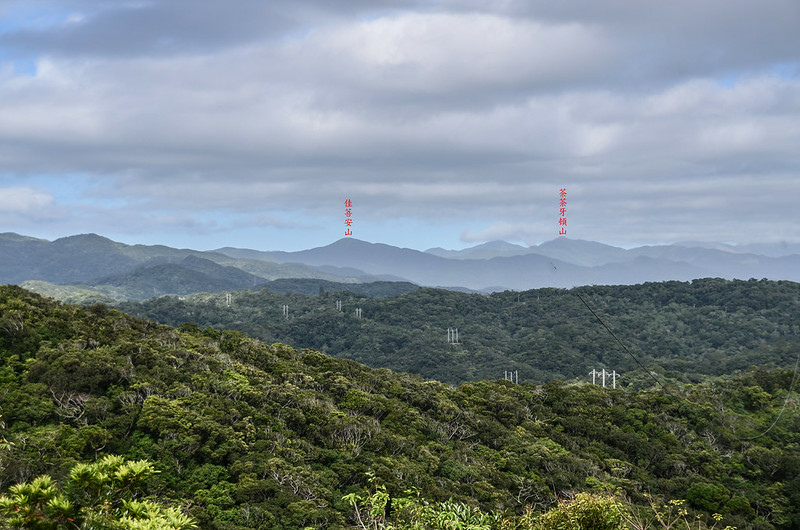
190	275
93	262
90	263
558	263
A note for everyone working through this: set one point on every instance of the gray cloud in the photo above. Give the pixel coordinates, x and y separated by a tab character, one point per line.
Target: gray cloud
657	118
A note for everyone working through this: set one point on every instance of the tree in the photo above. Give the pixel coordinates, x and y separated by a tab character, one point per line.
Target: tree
99	495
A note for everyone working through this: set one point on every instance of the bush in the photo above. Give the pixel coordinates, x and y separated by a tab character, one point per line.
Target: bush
584	512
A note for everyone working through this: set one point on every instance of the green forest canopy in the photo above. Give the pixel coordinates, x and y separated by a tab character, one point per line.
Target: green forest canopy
684	331
250	435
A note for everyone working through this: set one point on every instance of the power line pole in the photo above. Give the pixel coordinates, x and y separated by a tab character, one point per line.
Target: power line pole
452	336
228	299
603	373
358	312
286	311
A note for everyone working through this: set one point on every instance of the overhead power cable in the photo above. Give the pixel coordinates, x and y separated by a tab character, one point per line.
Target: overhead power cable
775	422
785	401
623	346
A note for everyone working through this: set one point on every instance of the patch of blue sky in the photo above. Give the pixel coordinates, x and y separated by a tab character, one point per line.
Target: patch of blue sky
65	188
17	65
729	81
23	16
24	66
787	70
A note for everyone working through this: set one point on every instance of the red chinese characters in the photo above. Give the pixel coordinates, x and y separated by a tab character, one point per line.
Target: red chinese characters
348	213
562	211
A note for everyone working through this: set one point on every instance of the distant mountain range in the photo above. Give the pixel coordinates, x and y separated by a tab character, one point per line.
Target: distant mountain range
562	262
95	264
92	268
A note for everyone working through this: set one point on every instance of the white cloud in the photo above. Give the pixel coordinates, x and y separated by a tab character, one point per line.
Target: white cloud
447	53
26	201
471	111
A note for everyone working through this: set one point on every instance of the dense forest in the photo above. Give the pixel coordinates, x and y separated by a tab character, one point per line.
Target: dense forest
154	281
242	434
683	331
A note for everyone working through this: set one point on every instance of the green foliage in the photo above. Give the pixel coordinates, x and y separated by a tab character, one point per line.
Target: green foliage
708	497
369	509
71	294
250	435
684	331
672	514
412	512
417	514
584	512
98	495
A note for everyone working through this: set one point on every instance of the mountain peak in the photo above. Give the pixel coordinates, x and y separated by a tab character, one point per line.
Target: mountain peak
565	242
500	245
13	236
85	238
350	241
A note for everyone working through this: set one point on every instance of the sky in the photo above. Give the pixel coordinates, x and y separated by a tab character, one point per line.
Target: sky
202	124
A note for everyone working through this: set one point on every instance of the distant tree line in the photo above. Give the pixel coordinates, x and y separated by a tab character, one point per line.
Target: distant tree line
682	331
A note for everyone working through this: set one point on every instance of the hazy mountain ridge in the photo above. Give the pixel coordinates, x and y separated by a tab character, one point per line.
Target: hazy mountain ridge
491	249
90	262
135	271
558	263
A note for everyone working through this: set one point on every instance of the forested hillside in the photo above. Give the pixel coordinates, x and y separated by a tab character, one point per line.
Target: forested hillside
684	331
248	435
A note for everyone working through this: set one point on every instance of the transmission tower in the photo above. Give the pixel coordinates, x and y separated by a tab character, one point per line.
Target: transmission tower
613	374
603	373
452	336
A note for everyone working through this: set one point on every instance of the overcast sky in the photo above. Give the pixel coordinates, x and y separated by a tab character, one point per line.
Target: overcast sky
448	123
